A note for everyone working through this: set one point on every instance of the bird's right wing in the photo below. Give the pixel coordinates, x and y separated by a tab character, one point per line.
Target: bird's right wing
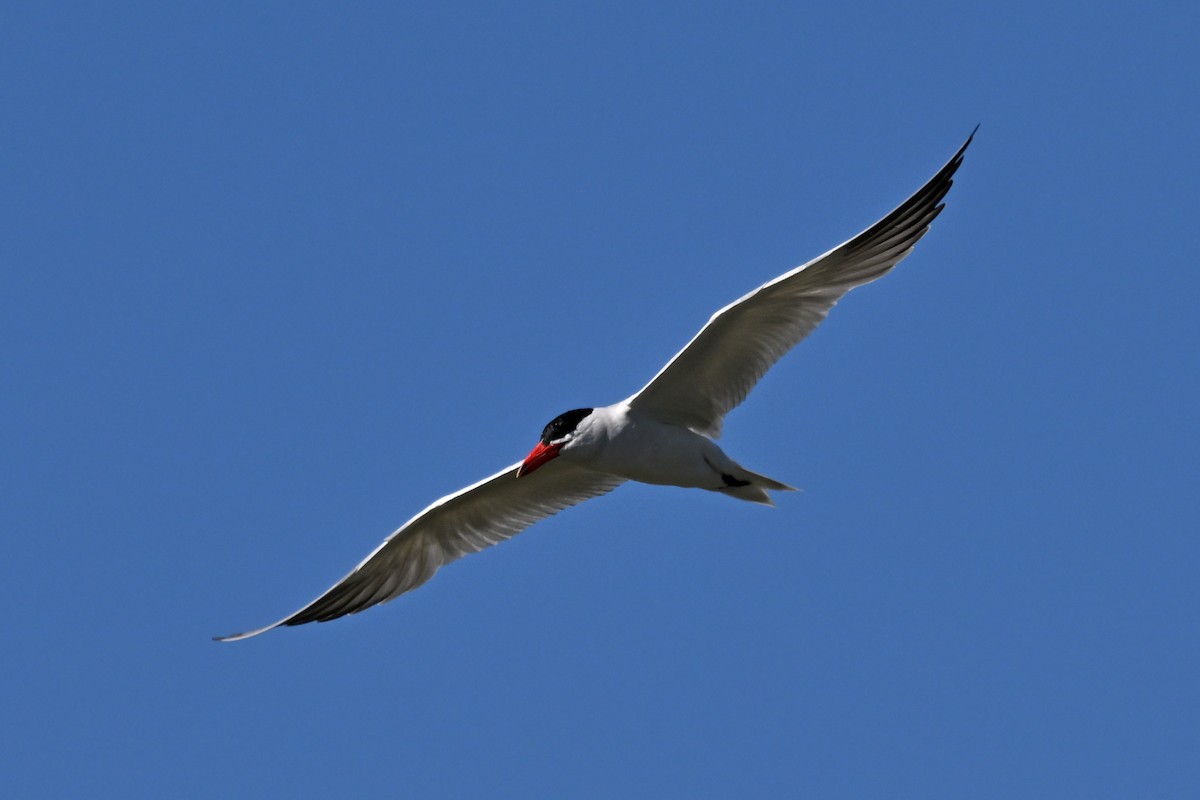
495	509
715	371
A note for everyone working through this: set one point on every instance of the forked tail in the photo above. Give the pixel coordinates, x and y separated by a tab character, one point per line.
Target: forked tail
752	487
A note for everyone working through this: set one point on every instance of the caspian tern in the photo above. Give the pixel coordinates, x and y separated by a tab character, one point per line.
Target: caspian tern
663	434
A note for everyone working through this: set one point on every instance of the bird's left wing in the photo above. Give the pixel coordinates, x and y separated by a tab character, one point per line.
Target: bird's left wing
718	368
495	509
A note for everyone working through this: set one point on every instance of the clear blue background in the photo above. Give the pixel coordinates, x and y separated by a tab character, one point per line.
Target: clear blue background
275	276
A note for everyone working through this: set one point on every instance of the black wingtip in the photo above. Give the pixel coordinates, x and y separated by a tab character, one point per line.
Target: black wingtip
970	139
952	165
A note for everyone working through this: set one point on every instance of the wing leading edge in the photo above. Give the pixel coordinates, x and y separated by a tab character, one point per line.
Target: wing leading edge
716	370
479	516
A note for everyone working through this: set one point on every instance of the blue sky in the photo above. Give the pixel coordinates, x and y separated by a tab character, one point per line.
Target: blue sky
275	276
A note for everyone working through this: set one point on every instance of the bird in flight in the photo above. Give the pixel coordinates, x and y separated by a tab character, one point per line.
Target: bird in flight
663	434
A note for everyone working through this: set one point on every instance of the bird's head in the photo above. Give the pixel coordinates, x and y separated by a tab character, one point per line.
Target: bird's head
556	437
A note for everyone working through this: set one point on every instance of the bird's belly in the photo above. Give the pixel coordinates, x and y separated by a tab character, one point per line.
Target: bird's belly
652	452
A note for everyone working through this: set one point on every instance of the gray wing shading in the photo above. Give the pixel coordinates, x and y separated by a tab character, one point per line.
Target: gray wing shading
495	509
717	369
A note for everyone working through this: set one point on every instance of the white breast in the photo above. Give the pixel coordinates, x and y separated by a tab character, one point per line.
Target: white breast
622	442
